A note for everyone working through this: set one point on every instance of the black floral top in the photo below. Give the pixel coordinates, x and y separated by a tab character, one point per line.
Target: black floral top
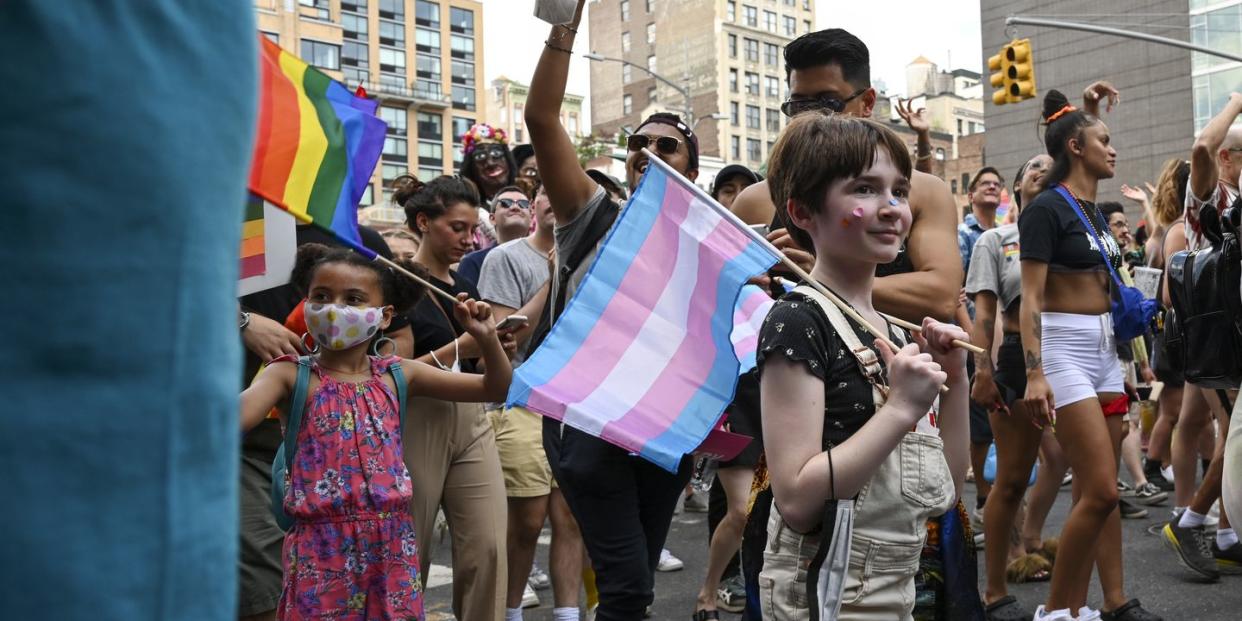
797	329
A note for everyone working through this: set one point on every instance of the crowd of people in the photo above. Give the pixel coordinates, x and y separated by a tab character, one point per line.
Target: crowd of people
851	415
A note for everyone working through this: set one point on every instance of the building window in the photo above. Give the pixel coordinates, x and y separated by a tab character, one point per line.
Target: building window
463	97
626	73
734	114
427	41
733	80
461	21
771	54
427	14
953	186
461	125
971	126
392	61
355	55
1211	93
275	38
806	26
771	86
752	117
625	10
354	6
430	153
426	174
965	182
651	63
735	147
393	9
790	2
368	197
752	50
732	46
959	127
791	25
354	27
463	47
427	67
651	32
751	16
463	73
769	21
356	76
731	11
625	42
395	149
940	154
388	172
627	105
320	9
774	119
754	150
396	119
322	55
391	33
806	5
572	124
651	94
752	83
650	6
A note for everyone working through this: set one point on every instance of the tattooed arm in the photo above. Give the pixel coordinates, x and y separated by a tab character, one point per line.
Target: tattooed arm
984	391
1038	397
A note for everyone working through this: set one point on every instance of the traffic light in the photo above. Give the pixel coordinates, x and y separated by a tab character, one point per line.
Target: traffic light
1013	73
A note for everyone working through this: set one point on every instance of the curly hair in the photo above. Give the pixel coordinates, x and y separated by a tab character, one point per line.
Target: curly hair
1170	196
398	290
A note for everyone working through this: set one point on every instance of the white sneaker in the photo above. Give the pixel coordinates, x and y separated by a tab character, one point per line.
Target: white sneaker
1087	613
668	562
539	578
1055	615
530	599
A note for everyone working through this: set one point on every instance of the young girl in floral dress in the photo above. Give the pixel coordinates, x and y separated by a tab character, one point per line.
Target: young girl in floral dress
351	553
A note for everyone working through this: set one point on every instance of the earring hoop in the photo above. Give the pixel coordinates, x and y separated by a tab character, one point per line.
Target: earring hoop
308	348
378	345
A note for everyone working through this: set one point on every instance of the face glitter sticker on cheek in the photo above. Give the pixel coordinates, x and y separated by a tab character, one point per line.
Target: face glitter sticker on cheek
892	201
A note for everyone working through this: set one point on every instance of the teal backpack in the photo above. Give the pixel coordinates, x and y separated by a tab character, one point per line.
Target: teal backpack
289	447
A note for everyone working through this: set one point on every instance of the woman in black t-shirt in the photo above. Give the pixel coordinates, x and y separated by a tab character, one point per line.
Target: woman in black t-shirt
450	448
1068	346
831	429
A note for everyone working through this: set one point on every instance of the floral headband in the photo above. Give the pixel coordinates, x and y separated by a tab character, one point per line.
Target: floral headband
481	133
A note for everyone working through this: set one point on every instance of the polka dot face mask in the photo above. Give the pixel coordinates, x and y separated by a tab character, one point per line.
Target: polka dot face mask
336	326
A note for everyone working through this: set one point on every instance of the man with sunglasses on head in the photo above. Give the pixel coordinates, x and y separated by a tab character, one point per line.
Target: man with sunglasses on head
623	503
829	71
511	217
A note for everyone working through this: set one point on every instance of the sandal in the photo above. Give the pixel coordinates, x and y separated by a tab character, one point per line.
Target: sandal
1006	609
1047	550
1130	611
1029	568
704	615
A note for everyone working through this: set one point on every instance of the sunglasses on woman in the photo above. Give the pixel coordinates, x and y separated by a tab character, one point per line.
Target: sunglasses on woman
794	107
666	145
496	152
505	203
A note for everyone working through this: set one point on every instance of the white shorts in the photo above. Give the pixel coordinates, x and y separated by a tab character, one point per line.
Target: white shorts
1079	356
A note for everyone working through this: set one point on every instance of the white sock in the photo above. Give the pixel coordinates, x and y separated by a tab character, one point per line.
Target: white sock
513	614
1190	519
1167	473
1226	537
567	613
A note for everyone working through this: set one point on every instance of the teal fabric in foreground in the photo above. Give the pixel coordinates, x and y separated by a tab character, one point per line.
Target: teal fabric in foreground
125	136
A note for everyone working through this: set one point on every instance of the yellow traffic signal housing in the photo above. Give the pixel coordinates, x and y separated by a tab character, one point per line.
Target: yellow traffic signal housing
1021	71
1013	73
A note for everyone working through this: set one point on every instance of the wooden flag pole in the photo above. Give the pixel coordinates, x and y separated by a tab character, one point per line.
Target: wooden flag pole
422	281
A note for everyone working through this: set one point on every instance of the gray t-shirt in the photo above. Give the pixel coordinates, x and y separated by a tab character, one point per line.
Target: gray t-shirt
512	274
995	266
571	234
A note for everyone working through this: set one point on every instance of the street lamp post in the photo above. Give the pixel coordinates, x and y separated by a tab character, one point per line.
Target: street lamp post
684	90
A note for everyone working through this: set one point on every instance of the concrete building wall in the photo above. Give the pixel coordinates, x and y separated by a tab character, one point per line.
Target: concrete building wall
1155	119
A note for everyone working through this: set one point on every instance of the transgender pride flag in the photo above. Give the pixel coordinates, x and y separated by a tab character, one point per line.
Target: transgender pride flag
644	355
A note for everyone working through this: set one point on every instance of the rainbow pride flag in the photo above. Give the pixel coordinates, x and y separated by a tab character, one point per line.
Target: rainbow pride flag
253	246
647	353
317	144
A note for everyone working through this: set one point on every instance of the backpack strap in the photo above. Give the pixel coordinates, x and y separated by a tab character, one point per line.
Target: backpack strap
867	361
398	378
596	228
297	403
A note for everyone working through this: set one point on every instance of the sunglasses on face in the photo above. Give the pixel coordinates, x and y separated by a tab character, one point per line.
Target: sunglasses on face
484	153
794	107
666	145
505	203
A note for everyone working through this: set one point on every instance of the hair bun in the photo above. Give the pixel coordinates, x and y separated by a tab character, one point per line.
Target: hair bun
405	186
1053	102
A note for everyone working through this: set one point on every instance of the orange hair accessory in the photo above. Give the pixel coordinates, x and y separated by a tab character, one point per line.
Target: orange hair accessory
1066	109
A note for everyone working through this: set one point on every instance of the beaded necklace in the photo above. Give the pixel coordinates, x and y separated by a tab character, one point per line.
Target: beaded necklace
1092	217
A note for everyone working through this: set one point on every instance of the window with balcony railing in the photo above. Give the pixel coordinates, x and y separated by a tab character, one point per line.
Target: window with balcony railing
427	67
355	55
462	47
429	89
463	97
392	61
427	14
461	20
355	77
430	126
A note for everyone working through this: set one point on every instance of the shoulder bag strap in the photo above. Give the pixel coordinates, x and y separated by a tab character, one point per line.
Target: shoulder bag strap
297	403
1099	244
868	362
398	378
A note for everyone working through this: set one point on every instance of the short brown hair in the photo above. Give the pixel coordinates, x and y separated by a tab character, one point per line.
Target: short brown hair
817	149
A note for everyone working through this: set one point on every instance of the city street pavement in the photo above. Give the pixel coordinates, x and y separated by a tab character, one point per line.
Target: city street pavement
1152	574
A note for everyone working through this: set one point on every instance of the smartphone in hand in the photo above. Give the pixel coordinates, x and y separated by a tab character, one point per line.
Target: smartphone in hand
512	322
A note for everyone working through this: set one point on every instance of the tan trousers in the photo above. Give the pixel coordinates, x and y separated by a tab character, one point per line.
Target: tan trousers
450	450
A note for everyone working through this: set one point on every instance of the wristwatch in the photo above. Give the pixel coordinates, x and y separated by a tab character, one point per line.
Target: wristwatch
245	321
